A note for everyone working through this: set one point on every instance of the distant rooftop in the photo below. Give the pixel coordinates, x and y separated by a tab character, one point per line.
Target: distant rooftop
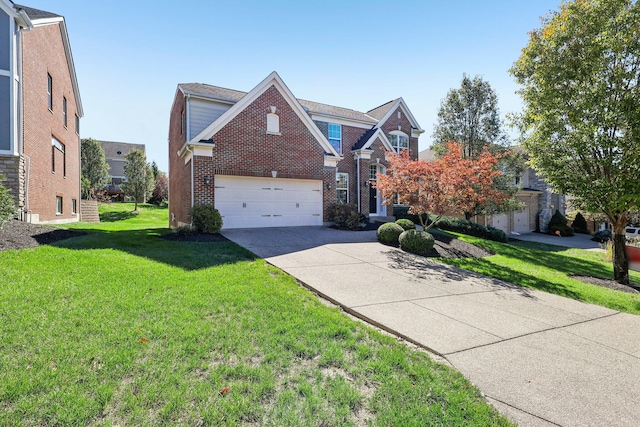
35	14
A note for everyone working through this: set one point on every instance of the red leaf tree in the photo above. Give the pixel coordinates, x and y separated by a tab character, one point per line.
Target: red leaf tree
450	185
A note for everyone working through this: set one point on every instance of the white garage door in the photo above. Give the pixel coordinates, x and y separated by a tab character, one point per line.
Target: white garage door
247	202
501	222
521	221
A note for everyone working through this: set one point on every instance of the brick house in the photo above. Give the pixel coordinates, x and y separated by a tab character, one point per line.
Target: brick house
264	158
40	111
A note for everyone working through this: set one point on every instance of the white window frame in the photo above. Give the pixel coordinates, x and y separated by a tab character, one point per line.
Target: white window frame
59	205
337	130
49	92
74	206
273	124
342	186
394	139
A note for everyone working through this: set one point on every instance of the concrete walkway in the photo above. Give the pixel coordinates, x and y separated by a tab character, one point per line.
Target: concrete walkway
540	359
581	241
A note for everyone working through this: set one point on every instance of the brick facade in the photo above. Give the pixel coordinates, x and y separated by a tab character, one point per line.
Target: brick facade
43	52
242	147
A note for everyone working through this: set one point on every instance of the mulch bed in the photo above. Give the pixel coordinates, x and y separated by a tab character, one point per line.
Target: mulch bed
20	235
608	283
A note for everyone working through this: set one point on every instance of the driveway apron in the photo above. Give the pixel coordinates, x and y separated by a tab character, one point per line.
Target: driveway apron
540	359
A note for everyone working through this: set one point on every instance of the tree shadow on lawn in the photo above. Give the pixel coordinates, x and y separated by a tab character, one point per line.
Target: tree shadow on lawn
117	216
148	244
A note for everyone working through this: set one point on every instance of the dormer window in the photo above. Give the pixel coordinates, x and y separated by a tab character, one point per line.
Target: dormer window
399	141
335	136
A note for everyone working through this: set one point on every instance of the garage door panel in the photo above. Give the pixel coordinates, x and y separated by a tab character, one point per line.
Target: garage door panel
248	202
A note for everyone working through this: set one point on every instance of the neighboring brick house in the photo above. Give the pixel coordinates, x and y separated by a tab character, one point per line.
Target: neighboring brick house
266	159
539	202
114	153
40	111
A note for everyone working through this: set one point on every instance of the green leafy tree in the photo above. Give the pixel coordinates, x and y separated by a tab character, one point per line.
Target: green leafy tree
469	116
7	205
139	176
94	167
581	121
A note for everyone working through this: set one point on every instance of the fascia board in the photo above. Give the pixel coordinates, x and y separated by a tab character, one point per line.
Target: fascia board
400	102
272	79
378	134
341	120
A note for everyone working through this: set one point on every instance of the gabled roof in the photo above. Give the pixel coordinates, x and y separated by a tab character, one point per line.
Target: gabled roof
332	110
117	150
35	14
272	79
213	92
390	107
232	96
379	112
368	139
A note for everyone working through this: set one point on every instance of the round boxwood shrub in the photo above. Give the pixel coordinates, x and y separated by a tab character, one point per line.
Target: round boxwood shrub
416	241
389	232
205	219
406	224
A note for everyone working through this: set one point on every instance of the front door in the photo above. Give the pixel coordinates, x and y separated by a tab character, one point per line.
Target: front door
373	201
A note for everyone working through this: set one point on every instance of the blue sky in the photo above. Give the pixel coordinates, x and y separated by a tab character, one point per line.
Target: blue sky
130	55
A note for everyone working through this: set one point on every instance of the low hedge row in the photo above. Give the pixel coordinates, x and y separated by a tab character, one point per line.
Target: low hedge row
463	226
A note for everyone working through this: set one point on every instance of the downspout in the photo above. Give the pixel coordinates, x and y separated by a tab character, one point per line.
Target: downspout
20	111
192	189
358	191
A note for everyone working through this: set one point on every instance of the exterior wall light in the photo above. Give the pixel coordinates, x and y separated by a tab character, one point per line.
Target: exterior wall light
207	180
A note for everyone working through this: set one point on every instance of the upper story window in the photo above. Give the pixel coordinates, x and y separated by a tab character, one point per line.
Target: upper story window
50	91
58	150
77	125
64	111
335	136
182	123
399	141
342	187
373	172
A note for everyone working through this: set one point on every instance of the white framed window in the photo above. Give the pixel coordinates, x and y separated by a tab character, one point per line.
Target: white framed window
273	123
399	140
335	136
57	146
59	204
342	187
64	111
373	172
50	92
77	125
74	206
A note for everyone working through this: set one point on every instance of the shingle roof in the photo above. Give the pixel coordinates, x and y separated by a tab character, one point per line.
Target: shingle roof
363	139
212	91
111	149
35	14
379	112
310	106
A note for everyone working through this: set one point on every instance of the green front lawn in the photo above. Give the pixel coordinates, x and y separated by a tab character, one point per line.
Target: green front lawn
547	268
121	327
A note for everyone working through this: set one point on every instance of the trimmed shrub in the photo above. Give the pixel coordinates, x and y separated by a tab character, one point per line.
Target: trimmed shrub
7	206
416	241
558	223
346	216
389	233
402	212
580	224
602	236
406	224
205	219
463	226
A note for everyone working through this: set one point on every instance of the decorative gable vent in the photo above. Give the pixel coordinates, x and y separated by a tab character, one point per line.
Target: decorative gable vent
273	122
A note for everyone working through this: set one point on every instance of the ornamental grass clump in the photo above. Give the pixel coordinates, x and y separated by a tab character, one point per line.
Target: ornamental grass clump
416	241
389	233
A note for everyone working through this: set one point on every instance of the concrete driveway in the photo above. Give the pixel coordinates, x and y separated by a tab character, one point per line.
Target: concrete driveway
580	241
540	359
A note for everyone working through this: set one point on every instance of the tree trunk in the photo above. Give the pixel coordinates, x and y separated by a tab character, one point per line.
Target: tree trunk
620	261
